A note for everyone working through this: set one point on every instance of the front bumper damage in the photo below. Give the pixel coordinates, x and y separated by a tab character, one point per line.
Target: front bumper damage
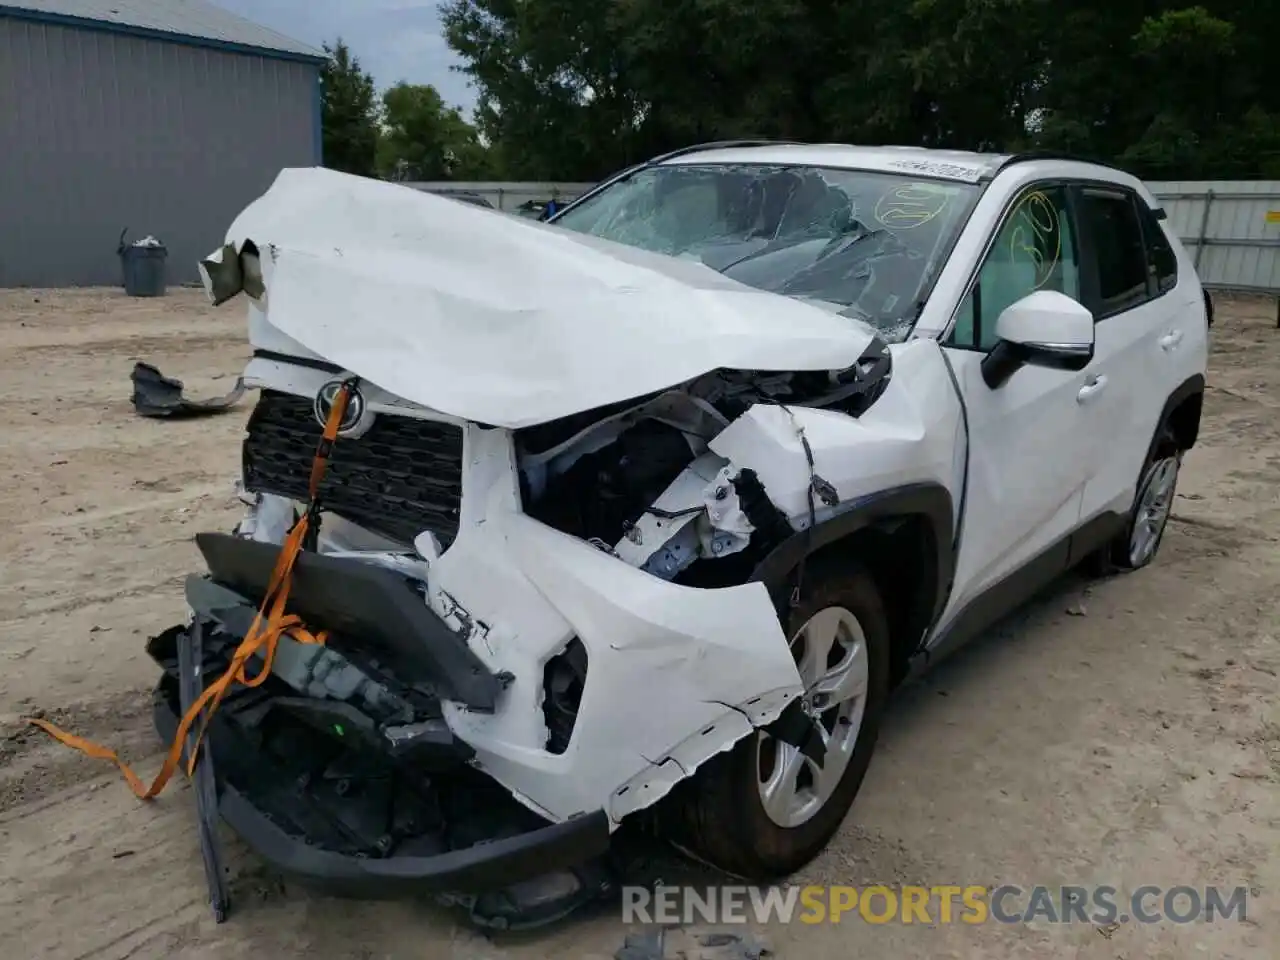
370	796
370	767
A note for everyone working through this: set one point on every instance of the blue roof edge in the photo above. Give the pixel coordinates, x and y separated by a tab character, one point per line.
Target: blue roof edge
149	33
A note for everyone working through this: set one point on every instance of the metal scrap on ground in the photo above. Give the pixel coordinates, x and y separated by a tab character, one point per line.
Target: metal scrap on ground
155	395
676	944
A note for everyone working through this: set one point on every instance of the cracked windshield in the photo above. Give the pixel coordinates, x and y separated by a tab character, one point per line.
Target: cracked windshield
867	245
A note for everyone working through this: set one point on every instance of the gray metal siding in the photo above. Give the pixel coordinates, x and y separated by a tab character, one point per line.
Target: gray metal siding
192	20
1225	226
103	131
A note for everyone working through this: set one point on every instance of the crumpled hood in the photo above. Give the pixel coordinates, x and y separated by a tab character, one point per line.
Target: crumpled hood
506	321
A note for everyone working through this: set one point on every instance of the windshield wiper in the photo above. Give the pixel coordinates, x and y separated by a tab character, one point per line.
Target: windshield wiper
849	235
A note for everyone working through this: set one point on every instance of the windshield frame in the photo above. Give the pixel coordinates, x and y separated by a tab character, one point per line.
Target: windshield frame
947	241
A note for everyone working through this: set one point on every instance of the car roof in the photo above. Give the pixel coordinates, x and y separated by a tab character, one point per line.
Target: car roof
960	165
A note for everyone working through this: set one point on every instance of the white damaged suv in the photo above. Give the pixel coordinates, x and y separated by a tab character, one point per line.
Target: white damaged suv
650	507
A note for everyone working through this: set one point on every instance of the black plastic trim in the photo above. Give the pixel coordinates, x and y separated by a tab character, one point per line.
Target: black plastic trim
1188	388
929	500
1007	358
1030	156
492	865
363	600
1017	588
288	358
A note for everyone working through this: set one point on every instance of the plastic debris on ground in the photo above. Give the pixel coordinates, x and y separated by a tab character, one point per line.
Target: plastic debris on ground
155	395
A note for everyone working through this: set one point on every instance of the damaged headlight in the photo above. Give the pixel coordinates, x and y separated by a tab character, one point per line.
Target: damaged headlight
226	272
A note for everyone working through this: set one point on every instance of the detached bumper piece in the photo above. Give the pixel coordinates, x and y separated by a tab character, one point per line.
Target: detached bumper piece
155	395
190	683
340	799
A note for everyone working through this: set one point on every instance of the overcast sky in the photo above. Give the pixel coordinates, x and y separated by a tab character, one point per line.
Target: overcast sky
394	39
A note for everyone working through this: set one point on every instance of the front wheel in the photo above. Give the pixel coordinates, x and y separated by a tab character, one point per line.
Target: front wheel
764	809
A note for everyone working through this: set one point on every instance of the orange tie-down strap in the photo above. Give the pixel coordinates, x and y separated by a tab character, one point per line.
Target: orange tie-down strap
270	624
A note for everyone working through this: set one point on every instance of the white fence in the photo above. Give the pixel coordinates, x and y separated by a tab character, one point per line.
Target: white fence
1231	228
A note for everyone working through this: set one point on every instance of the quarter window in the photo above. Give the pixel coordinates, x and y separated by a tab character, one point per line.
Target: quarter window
1115	239
1163	264
1034	250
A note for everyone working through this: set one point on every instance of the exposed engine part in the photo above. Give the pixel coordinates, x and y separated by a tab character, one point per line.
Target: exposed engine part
726	516
698	515
606	490
621	470
550	450
563	681
767	519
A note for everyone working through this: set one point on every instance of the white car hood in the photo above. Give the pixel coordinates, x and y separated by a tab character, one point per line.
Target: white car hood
506	321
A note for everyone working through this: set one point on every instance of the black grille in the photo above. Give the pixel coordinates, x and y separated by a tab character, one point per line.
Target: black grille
402	477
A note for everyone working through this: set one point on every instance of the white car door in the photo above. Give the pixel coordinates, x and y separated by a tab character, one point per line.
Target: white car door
1143	320
1033	444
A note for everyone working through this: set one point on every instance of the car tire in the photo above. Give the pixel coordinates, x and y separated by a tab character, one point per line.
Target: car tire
1137	545
723	817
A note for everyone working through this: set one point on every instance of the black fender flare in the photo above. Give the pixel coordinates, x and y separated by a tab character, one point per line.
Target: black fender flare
1188	388
932	501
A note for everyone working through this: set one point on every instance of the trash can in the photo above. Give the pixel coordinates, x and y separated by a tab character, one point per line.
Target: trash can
142	264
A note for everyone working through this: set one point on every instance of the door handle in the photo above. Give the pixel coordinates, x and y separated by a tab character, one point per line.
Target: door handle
1092	387
1171	340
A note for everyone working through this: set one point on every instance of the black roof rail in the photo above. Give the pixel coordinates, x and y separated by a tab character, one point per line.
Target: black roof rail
662	158
721	145
1028	156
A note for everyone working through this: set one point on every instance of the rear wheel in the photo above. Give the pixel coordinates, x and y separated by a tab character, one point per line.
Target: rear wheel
764	809
1137	545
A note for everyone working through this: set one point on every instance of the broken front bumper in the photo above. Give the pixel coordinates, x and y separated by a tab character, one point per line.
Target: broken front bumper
359	789
490	864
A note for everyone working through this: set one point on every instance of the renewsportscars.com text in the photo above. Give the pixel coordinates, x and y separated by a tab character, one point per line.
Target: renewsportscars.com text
945	904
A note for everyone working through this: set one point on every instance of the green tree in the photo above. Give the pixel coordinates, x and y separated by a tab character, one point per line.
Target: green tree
349	113
575	89
423	139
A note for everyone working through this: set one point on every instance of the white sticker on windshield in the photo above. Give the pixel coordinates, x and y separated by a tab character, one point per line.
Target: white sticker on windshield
939	168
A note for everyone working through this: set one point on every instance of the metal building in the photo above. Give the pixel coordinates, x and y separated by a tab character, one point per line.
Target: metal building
161	117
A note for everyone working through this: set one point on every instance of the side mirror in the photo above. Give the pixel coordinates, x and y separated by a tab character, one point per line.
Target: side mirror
1043	329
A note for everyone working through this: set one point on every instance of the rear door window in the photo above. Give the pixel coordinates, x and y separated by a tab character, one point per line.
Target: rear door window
1114	244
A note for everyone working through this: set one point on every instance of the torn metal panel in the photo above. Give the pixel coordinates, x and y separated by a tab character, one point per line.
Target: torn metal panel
699	515
697	653
907	436
155	395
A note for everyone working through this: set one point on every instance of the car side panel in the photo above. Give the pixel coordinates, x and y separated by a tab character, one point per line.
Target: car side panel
1146	353
1029	462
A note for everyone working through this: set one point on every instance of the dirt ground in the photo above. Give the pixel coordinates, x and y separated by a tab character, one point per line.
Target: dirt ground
1123	732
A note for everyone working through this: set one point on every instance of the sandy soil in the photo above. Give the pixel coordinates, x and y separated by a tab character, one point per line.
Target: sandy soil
1133	740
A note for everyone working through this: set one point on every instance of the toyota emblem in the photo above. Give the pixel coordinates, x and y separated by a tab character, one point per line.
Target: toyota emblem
351	417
